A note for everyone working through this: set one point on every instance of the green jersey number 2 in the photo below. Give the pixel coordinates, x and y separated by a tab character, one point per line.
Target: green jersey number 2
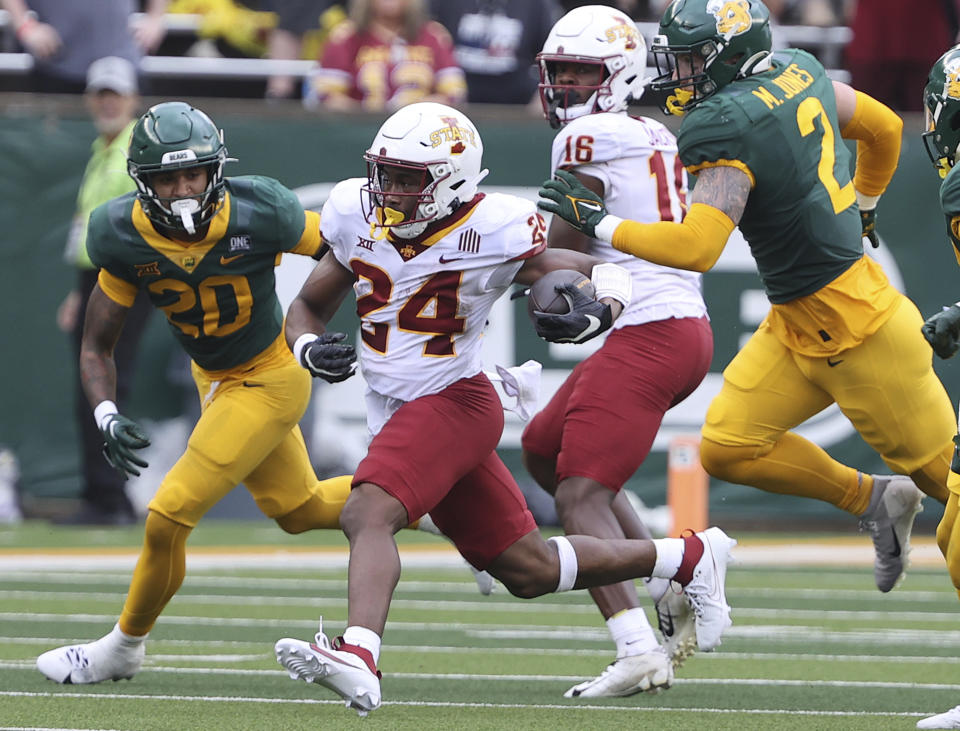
809	109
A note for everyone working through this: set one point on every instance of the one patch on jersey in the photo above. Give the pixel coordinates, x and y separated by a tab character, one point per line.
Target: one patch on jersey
240	243
365	243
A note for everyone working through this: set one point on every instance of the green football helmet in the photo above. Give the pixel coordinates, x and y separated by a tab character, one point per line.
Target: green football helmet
941	104
171	136
703	45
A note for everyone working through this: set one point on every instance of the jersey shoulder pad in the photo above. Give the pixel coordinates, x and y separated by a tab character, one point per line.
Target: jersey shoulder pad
589	139
267	209
341	219
714	130
109	229
498	210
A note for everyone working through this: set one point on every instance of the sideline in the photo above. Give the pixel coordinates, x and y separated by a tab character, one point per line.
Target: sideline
842	551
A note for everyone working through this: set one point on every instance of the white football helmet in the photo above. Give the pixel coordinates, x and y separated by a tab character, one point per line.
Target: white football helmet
592	34
439	142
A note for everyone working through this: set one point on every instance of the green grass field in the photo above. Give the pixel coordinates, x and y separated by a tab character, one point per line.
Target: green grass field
812	647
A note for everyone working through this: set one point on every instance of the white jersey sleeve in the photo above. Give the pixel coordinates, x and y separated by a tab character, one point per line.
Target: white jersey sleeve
341	217
643	179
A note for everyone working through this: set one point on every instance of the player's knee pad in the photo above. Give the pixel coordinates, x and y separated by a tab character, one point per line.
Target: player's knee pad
727	462
321	510
160	533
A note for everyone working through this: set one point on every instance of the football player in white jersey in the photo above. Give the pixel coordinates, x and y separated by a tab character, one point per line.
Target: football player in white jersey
427	255
599	427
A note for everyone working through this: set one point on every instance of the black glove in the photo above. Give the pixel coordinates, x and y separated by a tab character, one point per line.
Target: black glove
329	359
570	199
587	318
121	436
868	223
942	331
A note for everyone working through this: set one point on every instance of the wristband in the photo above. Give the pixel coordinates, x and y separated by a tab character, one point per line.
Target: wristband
604	230
302	342
866	202
102	413
612	280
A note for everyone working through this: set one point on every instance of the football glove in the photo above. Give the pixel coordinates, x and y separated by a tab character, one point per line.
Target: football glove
570	199
942	331
868	224
121	436
329	358
587	318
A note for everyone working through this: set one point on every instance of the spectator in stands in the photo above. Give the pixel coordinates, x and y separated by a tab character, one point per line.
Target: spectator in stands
496	42
297	22
388	54
894	45
64	38
112	101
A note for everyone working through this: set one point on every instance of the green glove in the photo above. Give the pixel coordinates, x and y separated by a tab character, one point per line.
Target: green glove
121	436
868	223
570	199
942	331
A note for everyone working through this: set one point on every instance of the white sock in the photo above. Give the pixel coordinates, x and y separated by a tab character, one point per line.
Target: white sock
119	638
365	638
632	632
669	557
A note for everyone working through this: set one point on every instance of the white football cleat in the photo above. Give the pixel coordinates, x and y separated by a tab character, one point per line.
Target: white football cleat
347	670
94	662
890	523
650	671
947	719
706	592
677	624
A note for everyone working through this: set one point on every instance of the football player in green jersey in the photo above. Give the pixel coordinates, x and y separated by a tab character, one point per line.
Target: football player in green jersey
941	103
762	132
204	248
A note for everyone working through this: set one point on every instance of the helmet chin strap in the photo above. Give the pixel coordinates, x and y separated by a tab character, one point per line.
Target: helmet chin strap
185	208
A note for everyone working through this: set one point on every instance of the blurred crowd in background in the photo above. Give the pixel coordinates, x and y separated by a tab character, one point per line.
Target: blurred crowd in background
377	55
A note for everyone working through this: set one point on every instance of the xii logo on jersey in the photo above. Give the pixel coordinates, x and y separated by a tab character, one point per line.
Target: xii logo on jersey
240	243
733	16
151	269
365	243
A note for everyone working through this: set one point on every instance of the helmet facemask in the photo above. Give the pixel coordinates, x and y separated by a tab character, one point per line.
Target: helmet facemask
941	105
418	185
703	45
173	136
562	103
182	214
433	153
596	36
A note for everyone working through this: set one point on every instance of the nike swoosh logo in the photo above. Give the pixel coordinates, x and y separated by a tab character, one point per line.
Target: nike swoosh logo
252	385
834	363
227	259
445	260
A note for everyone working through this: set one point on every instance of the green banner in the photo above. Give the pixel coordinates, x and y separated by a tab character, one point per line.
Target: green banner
43	149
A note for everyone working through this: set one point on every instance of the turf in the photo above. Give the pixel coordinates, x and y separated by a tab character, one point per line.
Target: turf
811	647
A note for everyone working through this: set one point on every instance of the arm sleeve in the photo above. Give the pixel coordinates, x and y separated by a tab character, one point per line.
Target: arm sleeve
695	244
877	130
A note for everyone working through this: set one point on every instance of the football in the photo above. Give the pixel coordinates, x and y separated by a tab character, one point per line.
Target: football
543	296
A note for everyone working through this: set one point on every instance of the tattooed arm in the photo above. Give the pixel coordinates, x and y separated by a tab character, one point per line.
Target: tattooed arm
102	327
724	188
716	205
